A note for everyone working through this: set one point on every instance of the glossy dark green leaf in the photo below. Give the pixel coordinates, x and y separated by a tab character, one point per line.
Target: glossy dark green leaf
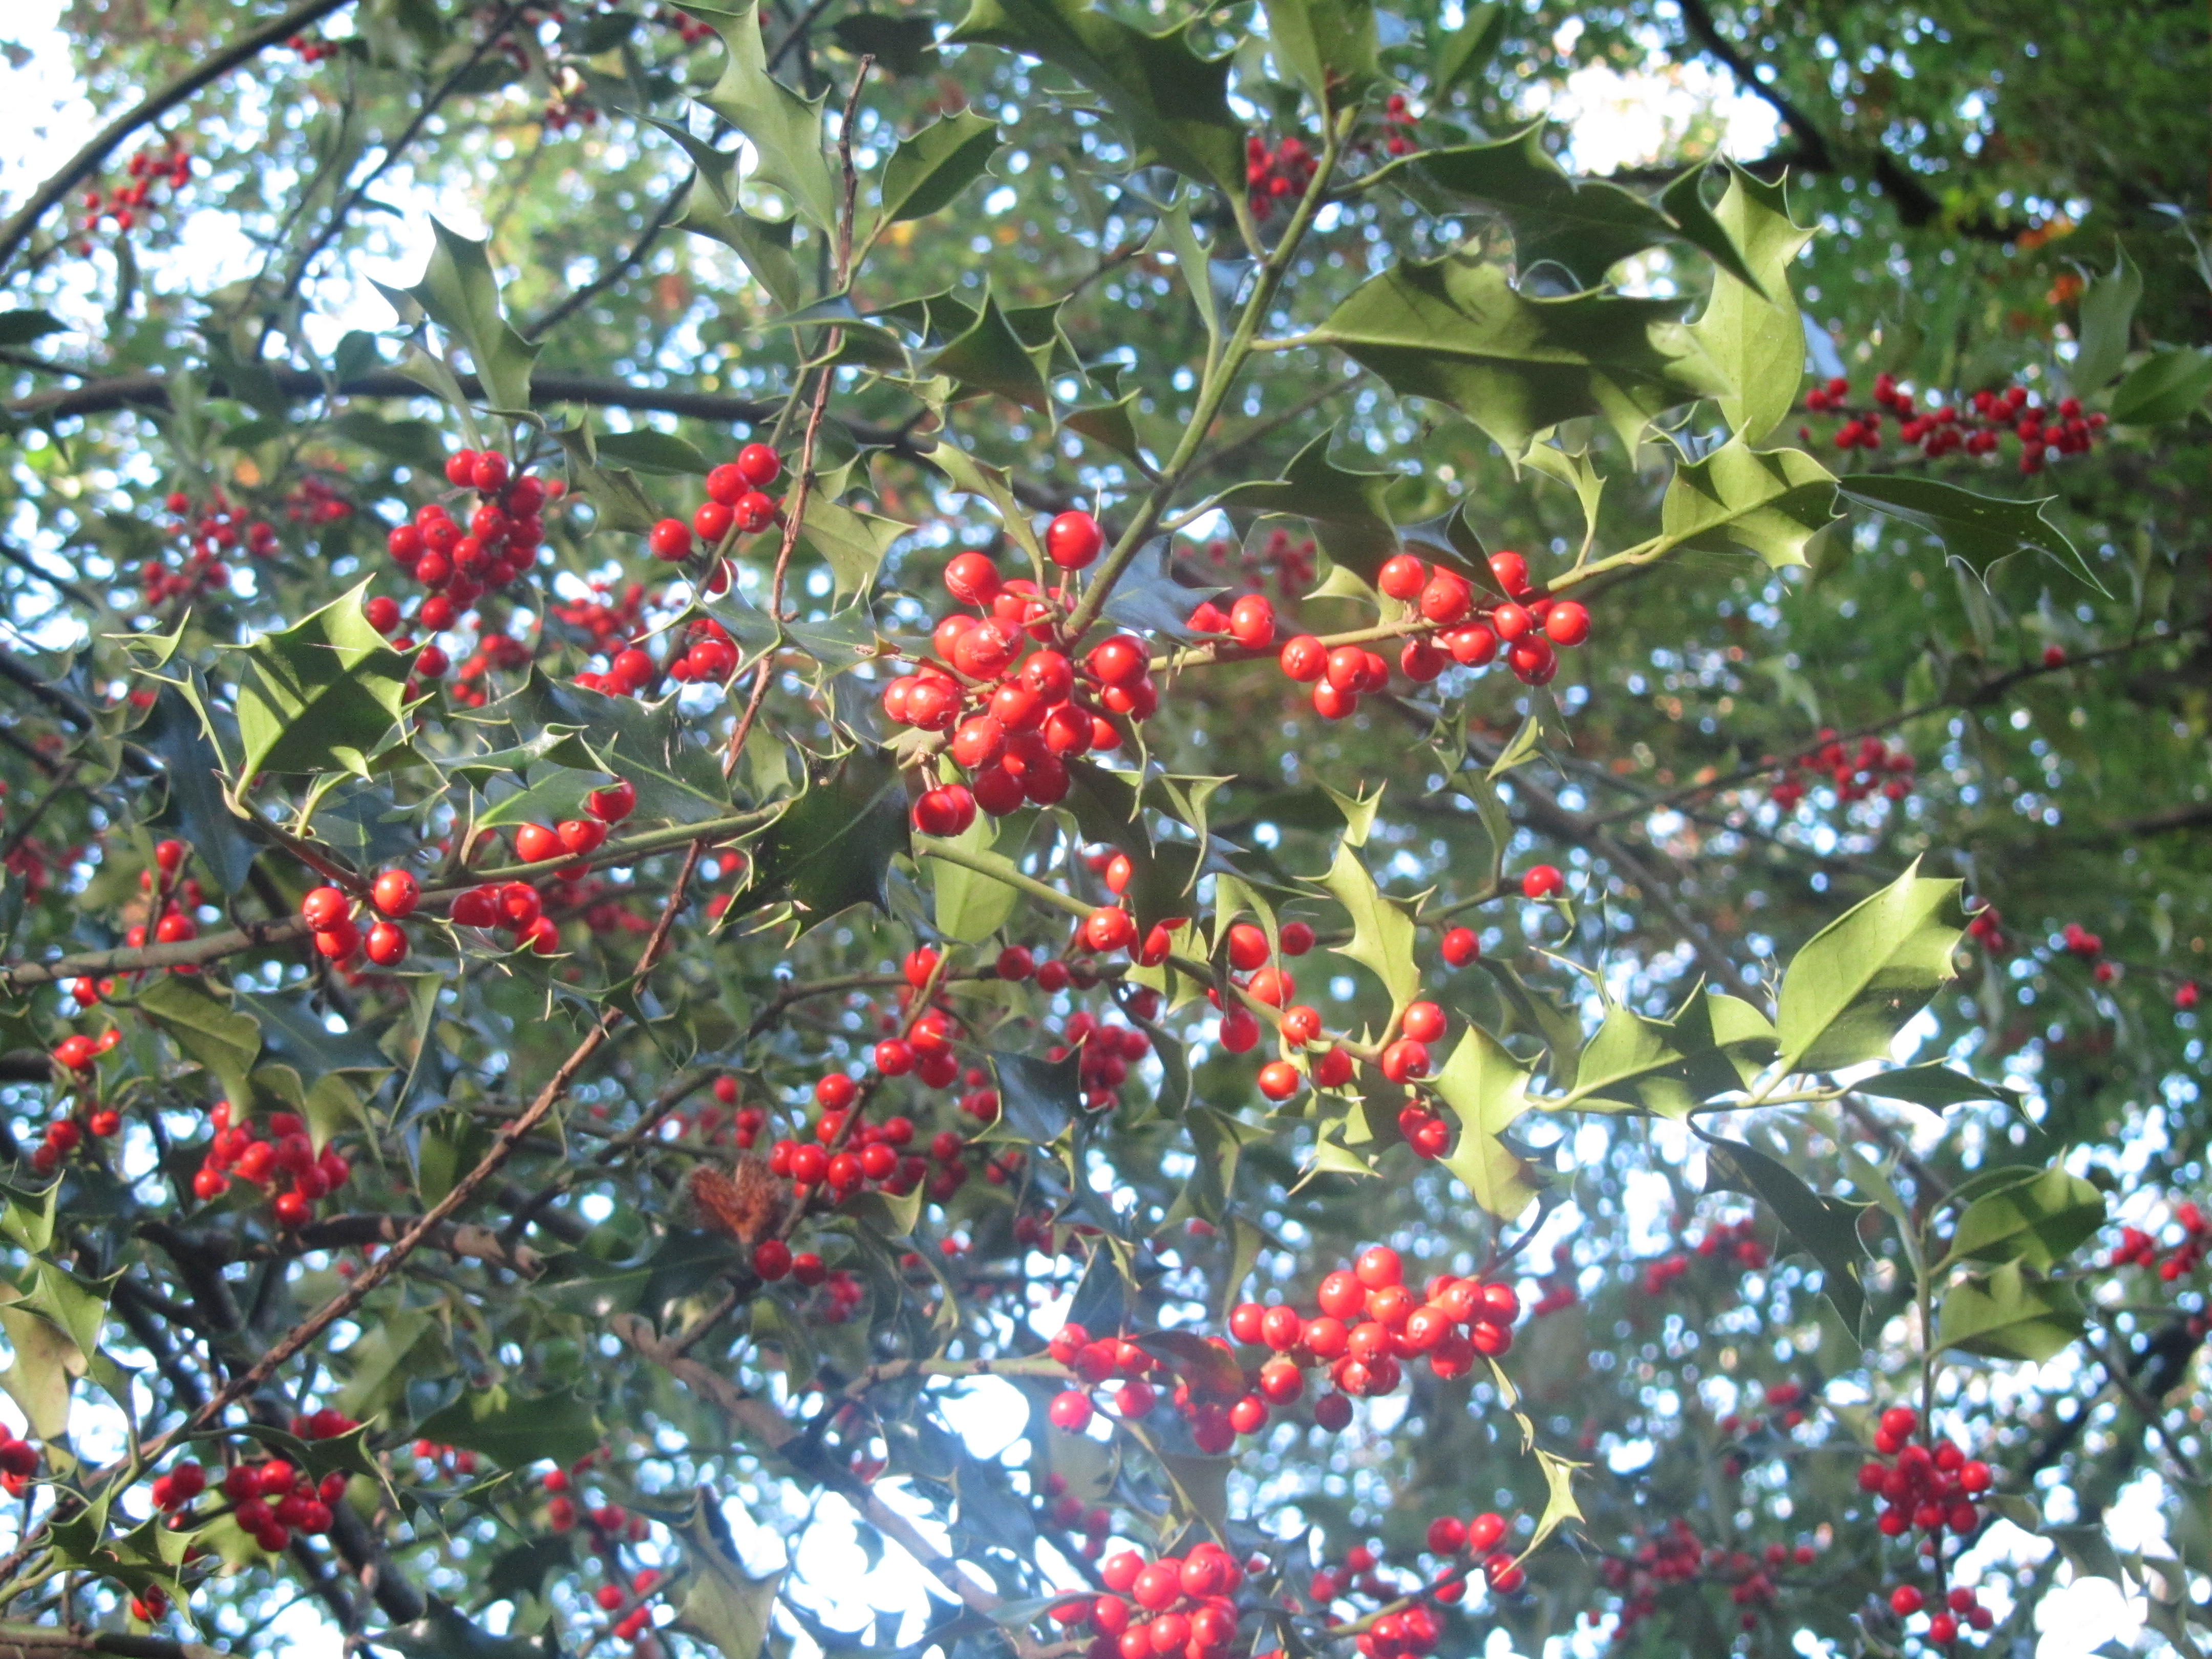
1455	330
646	451
461	295
834	848
195	807
786	128
206	1029
926	172
1329	46
1038	1098
2108	312
325	693
26	323
1467	50
903	45
411	443
1714	1045
1349	511
1857	981
1977	531
1587	227
1826	1229
444	1632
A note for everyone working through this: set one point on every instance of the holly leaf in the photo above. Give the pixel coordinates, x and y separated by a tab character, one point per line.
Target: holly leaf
1349	511
1857	982
1486	1090
833	848
989	355
1977	531
2108	310
327	690
1455	330
786	128
1751	332
1587	227
445	1632
1382	927
25	325
1825	1229
854	544
928	171
724	1605
904	44
2009	1315
1468	48
1715	1044
1329	46
1038	1098
2169	384
223	1039
646	451
194	806
516	1430
1149	599
461	295
1769	502
1935	1086
1174	102
2041	1221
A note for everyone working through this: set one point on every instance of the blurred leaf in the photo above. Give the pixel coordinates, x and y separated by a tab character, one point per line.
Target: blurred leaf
1328	47
2041	1221
411	443
1977	531
1586	226
224	1039
1769	502
2169	384
1934	1086
24	324
2108	312
904	43
1826	1229
1174	102
1349	511
444	1632
645	450
928	171
724	1606
195	806
1859	980
1754	338
1467	50
325	691
2008	1315
1454	329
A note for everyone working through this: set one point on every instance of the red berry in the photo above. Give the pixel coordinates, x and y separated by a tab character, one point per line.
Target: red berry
971	578
613	803
669	539
387	945
1405	1060
1423	1022
1568	623
1542	881
1119	661
323	908
1460	946
1073	540
772	1256
1511	571
1304	658
1402	577
395	893
759	465
1279	1079
1071	1410
1377	1268
1252	622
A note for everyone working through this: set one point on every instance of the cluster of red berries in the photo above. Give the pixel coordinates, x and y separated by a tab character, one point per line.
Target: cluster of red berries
1452	624
208	532
1986	928
1174	1607
1784	1400
609	1524
1960	1607
1106	1048
1415	1630
1929	1488
235	1152
2079	941
172	164
2142	1249
1856	772
455	1460
1677	1556
1977	429
312	49
65	1134
1290	561
689	28
1275	175
708	657
609	626
1399	121
736	505
1216	1415
270	1501
457	564
330	912
1059	1507
633	1603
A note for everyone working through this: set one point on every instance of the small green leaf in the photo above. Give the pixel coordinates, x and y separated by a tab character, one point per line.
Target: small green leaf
2169	384
1769	502
724	1605
853	543
514	1429
905	45
444	1632
786	128
833	848
1826	1229
461	295
219	1037
2041	1221
989	355
970	906
2108	312
926	172
1714	1045
1977	531
2008	1315
648	451
1486	1090
1038	1098
326	691
1329	46
1382	927
1859	980
1587	227
173	734
1174	102
1456	330
1755	336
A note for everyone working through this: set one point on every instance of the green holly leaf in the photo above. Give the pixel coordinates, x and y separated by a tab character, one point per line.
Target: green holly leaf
1469	48
1977	531
461	295
1935	1086
724	1606
648	451
1174	102
834	848
786	128
326	691
1859	980
194	806
712	209
1826	1229
2040	1219
1329	46
1586	226
516	1430
1382	927
1751	332
989	355
445	1632
970	906
903	46
2009	1315
1349	511
1486	1090
220	1036
853	543
1769	502
928	171
1038	1098
1714	1045
1455	330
